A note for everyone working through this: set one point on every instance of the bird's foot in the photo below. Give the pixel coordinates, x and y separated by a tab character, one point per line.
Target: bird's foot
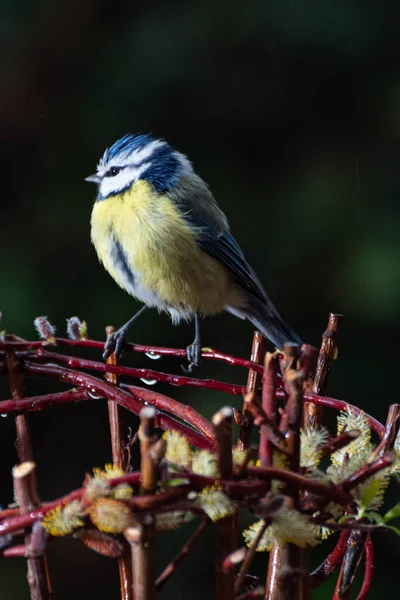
116	343
194	356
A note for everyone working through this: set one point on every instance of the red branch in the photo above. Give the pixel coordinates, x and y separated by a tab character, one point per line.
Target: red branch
22	521
182	411
369	569
175	379
100	389
367	470
210	354
331	563
328	492
148	374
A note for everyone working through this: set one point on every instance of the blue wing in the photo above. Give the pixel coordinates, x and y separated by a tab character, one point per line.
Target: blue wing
259	310
223	246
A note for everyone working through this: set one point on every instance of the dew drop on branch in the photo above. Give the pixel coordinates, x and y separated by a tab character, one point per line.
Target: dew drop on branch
148	381
153	355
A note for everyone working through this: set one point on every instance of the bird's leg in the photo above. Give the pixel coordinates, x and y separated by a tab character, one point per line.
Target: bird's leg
194	350
117	341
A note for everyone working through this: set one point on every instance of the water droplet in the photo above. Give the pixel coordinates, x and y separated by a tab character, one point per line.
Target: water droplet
148	381
153	355
92	392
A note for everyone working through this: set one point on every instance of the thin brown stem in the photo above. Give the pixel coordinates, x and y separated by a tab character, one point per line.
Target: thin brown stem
148	468
37	568
269	429
327	353
369	569
141	539
367	470
27	498
249	557
269	407
185	550
23	442
253	384
341	441
226	542
331	563
391	431
351	562
119	457
287	575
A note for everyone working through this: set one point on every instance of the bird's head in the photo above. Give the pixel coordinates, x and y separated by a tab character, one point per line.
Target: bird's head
139	156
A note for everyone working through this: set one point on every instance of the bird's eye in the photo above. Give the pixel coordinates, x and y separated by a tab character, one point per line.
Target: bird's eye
114	171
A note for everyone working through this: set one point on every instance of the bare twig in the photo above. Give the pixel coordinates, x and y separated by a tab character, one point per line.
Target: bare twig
249	556
369	569
185	412
327	353
391	430
23	442
147	374
351	561
119	457
341	441
101	389
226	529
210	354
270	429
185	550
142	537
331	563
37	568
269	408
369	469
287	575
26	495
253	384
77	378
141	541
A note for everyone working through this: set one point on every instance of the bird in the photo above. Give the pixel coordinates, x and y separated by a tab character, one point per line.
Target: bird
159	232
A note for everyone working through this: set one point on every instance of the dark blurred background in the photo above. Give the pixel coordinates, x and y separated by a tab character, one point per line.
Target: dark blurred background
291	112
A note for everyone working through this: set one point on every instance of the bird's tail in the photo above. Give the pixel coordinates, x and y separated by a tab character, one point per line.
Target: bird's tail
265	317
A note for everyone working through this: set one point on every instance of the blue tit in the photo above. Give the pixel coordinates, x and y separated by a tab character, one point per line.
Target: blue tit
159	232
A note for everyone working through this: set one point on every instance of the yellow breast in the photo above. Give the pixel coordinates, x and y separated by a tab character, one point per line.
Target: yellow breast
161	251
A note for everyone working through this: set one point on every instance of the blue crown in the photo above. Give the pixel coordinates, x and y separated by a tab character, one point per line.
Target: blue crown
165	167
127	144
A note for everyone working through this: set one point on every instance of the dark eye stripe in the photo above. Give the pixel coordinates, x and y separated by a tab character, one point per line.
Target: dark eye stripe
113	171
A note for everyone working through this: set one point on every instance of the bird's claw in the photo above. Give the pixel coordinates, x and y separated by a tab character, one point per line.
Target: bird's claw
194	357
116	343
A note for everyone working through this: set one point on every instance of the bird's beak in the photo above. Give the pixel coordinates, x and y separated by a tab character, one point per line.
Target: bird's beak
93	179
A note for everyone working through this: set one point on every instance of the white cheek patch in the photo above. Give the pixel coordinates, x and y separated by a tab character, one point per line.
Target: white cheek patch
124	179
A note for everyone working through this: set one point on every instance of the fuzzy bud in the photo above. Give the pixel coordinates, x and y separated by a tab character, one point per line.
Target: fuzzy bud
44	328
111	516
62	520
73	328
